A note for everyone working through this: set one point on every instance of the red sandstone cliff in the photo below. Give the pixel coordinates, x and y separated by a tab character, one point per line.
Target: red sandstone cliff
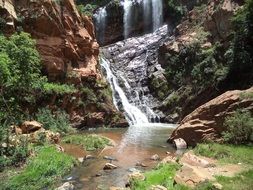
69	52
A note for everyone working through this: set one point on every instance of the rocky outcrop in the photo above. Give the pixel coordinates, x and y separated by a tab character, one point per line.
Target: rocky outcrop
206	122
65	39
69	52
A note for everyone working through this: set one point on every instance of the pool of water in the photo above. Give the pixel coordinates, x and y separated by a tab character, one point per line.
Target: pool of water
133	145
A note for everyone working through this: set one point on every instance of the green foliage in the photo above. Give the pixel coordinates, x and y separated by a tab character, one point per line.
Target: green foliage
89	94
60	89
175	10
162	175
204	66
13	155
240	54
239	127
246	95
41	171
57	121
226	153
88	142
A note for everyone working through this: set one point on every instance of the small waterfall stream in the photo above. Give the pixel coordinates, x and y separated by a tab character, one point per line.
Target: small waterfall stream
133	114
127	5
157	13
100	18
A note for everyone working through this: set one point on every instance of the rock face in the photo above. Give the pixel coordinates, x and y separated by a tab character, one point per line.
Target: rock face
65	39
206	122
69	52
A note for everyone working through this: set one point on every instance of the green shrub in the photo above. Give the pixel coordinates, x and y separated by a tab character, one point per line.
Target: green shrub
239	127
175	10
89	142
57	121
53	88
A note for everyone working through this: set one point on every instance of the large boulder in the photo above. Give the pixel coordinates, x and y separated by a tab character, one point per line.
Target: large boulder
30	126
206	122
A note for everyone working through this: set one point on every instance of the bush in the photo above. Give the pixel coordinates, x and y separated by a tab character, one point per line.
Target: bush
175	10
89	142
57	121
239	127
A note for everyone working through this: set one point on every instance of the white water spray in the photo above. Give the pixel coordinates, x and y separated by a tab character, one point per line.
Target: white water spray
100	17
157	13
127	5
133	114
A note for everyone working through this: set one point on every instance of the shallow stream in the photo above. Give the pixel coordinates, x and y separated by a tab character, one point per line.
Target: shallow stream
133	145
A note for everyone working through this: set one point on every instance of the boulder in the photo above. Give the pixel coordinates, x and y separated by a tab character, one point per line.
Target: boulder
66	186
155	157
180	143
205	123
30	126
109	166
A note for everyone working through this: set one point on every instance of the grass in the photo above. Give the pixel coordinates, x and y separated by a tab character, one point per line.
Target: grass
162	175
226	153
242	181
41	171
246	95
88	142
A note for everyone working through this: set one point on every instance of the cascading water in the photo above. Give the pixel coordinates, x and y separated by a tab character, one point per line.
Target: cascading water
130	65
132	113
147	16
100	19
127	5
157	13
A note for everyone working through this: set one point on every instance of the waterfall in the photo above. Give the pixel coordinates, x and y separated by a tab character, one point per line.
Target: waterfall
157	13
147	16
100	18
127	5
133	114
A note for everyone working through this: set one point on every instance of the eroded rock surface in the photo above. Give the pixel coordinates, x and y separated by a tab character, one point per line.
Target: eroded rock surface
206	122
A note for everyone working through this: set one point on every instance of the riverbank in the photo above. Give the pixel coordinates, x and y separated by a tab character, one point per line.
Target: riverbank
47	164
227	167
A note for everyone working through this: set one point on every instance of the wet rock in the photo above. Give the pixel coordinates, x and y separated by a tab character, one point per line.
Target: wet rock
141	164
158	187
98	175
155	157
110	158
109	166
87	157
30	126
66	186
180	143
80	160
133	170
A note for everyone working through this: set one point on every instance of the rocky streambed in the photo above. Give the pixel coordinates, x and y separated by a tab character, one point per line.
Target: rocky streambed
138	148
